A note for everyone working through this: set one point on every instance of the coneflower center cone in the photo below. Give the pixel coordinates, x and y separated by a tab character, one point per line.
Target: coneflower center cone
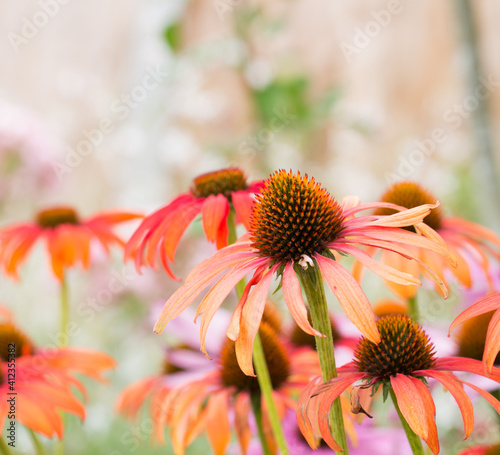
277	361
494	450
410	195
293	216
53	217
12	341
404	348
224	181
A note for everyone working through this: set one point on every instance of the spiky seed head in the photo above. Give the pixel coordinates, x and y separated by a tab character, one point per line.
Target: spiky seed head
404	348
294	216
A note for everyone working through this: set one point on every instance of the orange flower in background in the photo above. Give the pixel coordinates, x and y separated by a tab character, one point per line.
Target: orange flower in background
43	381
68	238
481	450
296	223
492	344
398	363
222	399
212	195
469	242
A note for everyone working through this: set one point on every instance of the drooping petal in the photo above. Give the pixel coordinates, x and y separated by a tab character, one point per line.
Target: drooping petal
404	218
460	396
432	439
242	410
292	294
411	404
215	297
488	396
492	346
251	315
466	364
303	420
213	213
217	422
380	269
242	202
350	296
206	272
486	305
335	388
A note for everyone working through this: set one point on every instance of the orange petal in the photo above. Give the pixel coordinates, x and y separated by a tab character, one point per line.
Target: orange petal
492	346
214	212
251	315
292	294
486	305
217	423
462	399
411	404
350	296
243	202
432	440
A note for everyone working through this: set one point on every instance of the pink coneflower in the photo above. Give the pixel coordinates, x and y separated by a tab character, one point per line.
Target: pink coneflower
212	195
68	238
296	223
401	360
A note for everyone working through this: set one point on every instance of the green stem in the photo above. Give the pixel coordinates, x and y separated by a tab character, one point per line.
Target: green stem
4	448
413	439
64	312
413	308
259	360
38	445
312	282
255	399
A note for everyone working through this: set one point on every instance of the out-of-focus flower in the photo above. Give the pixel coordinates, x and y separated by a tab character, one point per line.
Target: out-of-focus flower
42	380
68	238
398	363
368	439
207	403
470	243
27	151
492	342
212	195
481	450
296	223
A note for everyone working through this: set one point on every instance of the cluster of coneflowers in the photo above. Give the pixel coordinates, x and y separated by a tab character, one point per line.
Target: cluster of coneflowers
287	230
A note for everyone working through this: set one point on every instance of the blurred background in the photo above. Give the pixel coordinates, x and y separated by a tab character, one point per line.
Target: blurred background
118	104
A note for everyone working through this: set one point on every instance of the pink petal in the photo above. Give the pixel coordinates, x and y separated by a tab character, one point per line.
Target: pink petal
350	296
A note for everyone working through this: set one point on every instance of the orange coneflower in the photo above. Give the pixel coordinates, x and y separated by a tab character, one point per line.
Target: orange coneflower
42	385
68	238
399	363
212	195
206	403
492	343
296	223
470	243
